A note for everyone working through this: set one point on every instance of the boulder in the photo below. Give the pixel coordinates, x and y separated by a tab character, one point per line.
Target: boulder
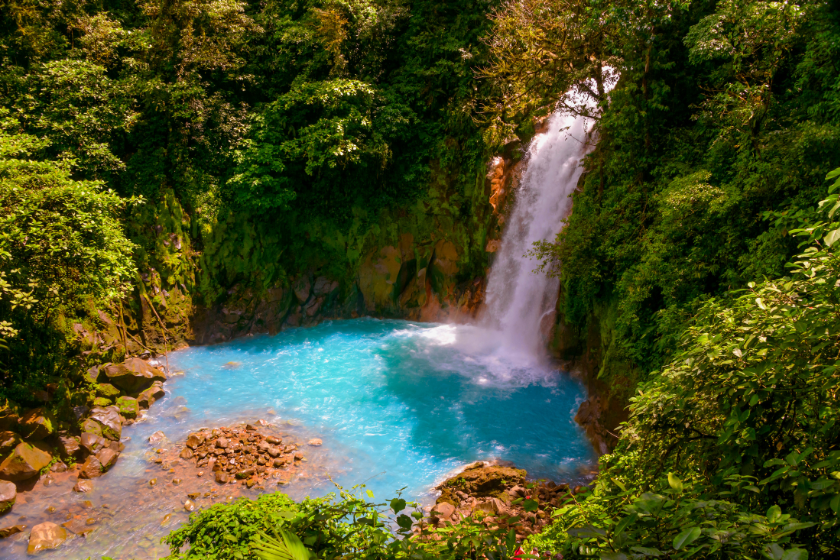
69	446
45	536
8	441
25	462
102	402
132	376
194	440
107	457
302	289
109	421
91	468
83	486
482	481
8	416
8	493
92	442
128	407
147	398
157	437
222	477
36	424
90	426
107	390
443	510
186	453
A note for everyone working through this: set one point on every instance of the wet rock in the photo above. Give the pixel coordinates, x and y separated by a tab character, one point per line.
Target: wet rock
298	456
13	530
78	526
128	407
273	452
157	438
91	427
8	494
83	486
91	468
443	510
186	453
194	440
302	288
92	442
25	462
45	536
107	458
109	421
132	376
69	446
148	397
8	417
58	467
102	402
8	441
222	443
222	477
316	442
189	505
36	424
273	440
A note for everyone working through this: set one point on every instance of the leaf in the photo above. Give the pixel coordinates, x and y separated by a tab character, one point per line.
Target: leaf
530	505
774	513
644	551
832	237
687	536
675	482
404	522
397	504
795	554
285	546
369	494
760	303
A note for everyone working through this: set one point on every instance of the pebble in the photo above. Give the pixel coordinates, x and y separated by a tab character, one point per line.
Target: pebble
153	482
316	442
189	505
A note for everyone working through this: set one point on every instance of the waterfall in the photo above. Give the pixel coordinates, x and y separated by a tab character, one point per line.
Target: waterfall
518	299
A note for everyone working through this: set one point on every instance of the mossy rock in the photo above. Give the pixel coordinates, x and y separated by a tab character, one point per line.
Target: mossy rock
107	390
102	402
92	427
128	407
36	424
481	481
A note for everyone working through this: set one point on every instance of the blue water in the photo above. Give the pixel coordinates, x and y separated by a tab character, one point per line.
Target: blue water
402	401
398	405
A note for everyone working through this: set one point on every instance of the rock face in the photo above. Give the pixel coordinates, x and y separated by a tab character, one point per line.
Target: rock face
25	462
8	493
45	536
132	376
36	424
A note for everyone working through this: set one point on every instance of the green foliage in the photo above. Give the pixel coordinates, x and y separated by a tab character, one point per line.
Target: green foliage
274	527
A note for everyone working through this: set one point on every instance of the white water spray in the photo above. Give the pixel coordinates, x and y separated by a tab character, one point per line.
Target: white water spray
518	298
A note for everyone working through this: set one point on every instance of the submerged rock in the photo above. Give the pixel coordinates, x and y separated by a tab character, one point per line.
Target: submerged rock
13	530
83	486
45	536
25	462
316	442
91	468
8	494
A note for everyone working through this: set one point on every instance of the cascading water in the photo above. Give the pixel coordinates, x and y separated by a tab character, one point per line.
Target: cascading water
518	298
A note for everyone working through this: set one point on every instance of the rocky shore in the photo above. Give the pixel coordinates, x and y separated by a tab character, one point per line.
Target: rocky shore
500	497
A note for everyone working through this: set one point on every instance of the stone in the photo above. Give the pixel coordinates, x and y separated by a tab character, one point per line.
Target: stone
443	510
302	289
132	376
109	420
91	468
36	424
194	440
13	530
107	458
273	440
58	467
186	453
246	473
45	536
222	443
157	437
83	486
222	477
298	456
189	505
102	402
107	390
25	462
91	427
78	526
69	446
8	441
148	397
92	442
128	407
316	442
273	452
8	493
8	416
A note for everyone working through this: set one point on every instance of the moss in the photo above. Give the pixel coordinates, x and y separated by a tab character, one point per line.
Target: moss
102	402
107	390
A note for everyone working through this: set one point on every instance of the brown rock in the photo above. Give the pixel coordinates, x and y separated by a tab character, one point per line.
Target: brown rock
194	440
443	510
148	397
186	453
132	376
222	477
8	493
91	468
109	420
45	536
273	451
107	457
157	437
25	462
83	486
36	424
69	446
13	530
189	505
316	442
246	473
222	443
273	440
92	443
8	441
298	456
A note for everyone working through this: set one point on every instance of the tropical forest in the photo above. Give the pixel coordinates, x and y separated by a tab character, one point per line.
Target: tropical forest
413	279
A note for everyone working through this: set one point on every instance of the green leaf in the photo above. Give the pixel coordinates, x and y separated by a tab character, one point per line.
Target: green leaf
404	522
675	482
687	536
795	554
530	505
369	494
397	504
774	513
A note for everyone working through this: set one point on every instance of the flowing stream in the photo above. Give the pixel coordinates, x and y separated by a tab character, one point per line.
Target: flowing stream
397	404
